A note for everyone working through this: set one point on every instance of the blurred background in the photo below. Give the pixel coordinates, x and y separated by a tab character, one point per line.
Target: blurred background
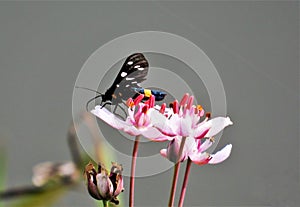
253	45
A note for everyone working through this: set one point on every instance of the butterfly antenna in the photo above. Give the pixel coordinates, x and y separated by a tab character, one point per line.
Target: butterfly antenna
89	89
89	101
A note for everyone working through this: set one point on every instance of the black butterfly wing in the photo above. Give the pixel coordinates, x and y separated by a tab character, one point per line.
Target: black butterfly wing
134	69
132	73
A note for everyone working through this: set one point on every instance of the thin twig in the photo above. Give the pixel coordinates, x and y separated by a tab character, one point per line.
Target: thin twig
27	190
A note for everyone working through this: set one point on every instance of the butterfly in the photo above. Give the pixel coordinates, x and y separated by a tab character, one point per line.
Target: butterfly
127	83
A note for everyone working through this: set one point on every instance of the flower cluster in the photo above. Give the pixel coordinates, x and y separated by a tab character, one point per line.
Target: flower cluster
187	128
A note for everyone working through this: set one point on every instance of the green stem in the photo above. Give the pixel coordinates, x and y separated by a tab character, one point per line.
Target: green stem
105	203
132	175
175	174
185	182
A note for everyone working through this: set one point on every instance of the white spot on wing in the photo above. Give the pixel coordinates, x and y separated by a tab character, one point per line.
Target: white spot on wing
130	63
118	85
141	68
129	78
127	86
123	74
134	82
137	66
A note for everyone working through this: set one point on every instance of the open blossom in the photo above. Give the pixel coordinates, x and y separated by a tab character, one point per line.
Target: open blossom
184	119
183	122
104	186
196	151
138	121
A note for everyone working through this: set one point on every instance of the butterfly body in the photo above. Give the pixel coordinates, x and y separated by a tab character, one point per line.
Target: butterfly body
159	95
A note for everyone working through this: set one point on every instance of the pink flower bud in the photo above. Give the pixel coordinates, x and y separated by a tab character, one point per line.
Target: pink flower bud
102	186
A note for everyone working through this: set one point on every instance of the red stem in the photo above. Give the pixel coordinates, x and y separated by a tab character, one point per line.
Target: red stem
132	175
175	175
174	184
185	182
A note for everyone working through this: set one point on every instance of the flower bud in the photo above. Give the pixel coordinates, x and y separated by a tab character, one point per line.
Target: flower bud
104	186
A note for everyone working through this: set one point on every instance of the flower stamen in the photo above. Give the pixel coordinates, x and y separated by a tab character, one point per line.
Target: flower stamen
190	102
208	115
138	99
184	100
130	103
151	101
175	107
162	108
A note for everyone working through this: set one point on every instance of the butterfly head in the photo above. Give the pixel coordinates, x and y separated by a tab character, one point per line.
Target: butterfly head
159	95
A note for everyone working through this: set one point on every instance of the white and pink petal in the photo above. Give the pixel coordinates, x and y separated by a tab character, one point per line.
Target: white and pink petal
109	117
221	155
216	125
202	147
154	135
163	125
199	158
163	153
201	131
183	126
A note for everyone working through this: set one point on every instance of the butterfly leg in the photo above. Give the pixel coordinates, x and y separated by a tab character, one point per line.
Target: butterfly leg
106	103
115	109
123	109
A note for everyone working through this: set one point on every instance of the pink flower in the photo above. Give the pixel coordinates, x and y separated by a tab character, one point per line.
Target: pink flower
195	150
200	157
138	121
183	122
184	119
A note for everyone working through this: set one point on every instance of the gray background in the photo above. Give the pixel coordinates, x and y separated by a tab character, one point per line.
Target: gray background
254	46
